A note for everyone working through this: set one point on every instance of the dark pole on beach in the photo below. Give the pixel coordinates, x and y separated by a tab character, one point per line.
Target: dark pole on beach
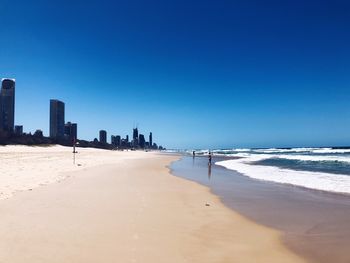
74	152
209	171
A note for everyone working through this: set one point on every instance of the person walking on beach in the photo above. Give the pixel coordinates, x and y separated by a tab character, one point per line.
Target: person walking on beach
209	157
194	154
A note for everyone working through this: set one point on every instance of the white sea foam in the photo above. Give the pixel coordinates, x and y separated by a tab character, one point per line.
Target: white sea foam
199	152
173	151
302	150
313	180
331	151
228	152
276	150
314	158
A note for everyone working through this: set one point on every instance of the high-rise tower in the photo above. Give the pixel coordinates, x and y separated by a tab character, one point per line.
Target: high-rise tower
150	140
103	136
135	137
142	141
135	134
71	131
7	105
56	119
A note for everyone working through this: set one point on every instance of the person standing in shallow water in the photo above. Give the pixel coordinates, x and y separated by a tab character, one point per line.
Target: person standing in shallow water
194	154
209	158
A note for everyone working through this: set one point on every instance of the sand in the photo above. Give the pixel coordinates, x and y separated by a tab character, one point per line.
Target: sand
130	209
24	167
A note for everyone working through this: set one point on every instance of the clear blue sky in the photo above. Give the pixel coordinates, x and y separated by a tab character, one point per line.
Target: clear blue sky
196	73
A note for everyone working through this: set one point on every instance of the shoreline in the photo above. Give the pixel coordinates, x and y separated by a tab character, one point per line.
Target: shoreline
314	223
131	211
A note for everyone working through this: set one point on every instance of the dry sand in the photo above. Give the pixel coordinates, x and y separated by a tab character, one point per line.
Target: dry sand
27	167
130	211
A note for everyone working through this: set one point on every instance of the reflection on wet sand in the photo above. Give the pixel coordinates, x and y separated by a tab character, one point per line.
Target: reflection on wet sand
209	171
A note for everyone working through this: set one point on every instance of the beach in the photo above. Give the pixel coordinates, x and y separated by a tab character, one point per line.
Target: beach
119	207
315	224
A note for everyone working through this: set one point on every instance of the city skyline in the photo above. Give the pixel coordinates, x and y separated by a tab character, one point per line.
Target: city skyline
60	131
199	75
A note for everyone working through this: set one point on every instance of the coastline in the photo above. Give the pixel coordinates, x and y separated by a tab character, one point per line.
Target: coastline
314	223
131	211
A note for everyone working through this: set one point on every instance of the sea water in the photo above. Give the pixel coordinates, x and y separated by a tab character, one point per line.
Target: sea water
326	169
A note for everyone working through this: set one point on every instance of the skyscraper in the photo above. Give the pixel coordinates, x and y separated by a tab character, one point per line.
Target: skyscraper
135	134
150	140
7	105
103	136
113	140
135	137
71	130
142	141
118	140
56	119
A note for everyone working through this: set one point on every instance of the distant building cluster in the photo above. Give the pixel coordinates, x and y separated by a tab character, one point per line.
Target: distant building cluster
61	132
138	141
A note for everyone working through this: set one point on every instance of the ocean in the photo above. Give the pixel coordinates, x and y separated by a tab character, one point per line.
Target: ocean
325	169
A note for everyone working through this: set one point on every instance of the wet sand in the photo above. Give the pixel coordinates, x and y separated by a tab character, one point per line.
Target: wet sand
130	210
315	224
